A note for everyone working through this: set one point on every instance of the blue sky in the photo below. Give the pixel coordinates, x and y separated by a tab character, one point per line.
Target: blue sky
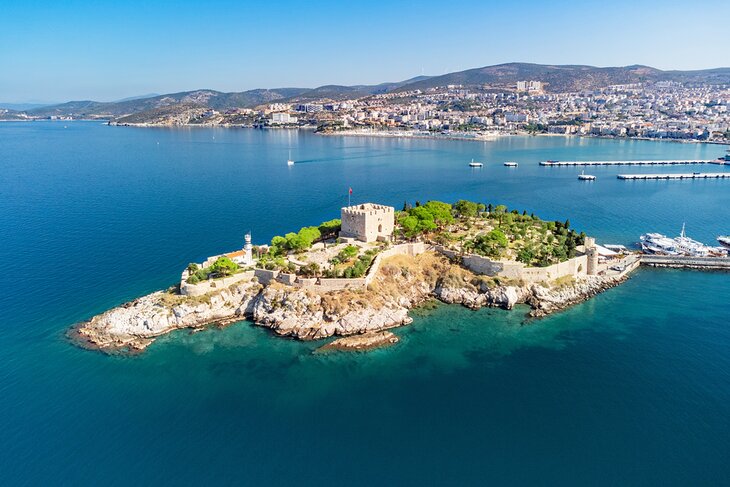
105	50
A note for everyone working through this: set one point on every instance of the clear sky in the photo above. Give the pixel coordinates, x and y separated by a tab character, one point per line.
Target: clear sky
58	50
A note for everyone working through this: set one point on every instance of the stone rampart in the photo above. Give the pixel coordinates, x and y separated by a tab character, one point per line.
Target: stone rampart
209	285
485	266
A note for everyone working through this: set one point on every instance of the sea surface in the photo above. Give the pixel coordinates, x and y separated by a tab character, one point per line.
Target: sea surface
629	388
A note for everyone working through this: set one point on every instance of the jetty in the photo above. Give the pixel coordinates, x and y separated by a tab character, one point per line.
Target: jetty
631	163
679	261
669	176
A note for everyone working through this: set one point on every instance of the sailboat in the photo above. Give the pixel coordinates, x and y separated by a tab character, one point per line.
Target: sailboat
289	161
586	177
475	164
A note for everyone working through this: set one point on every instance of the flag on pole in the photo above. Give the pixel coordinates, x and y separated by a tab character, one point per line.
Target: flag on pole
350	190
349	195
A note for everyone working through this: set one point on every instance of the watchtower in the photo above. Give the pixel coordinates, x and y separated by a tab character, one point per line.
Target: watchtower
367	222
592	254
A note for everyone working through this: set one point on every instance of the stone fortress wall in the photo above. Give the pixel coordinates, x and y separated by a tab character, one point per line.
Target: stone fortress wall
581	265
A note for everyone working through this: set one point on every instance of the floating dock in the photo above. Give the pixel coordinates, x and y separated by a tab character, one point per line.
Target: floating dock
632	163
695	175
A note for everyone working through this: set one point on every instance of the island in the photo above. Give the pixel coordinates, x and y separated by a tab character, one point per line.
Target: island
357	276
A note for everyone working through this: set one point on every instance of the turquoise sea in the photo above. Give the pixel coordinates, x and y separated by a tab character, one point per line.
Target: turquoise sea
629	388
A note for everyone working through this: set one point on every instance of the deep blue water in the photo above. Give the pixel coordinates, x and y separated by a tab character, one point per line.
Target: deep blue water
630	388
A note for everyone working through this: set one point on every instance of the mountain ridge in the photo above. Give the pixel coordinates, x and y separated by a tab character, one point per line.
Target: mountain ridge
556	78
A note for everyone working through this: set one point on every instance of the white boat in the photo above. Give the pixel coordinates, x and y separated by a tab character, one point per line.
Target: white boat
724	240
289	161
656	243
586	177
475	164
510	164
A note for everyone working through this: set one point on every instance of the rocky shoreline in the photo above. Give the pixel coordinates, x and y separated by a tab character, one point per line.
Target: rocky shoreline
402	283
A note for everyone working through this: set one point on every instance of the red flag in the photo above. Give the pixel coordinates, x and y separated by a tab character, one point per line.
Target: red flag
350	190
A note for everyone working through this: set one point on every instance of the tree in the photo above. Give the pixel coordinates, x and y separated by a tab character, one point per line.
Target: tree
330	228
440	211
223	266
466	209
499	211
491	244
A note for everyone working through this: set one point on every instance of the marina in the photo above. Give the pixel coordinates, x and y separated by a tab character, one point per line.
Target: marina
661	162
693	175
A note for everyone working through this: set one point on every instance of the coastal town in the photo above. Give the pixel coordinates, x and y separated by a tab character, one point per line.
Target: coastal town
661	110
636	102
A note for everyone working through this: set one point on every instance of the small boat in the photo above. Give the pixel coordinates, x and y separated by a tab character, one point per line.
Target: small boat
510	164
289	161
724	240
475	164
586	177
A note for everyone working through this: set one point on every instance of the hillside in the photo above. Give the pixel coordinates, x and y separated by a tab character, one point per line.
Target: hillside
565	78
568	78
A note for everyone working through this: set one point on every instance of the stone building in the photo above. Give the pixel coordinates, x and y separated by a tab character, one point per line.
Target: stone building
367	222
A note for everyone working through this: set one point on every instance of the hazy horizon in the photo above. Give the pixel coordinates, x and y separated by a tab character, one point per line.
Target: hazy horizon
82	50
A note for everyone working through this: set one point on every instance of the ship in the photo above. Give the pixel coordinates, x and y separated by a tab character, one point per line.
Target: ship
586	177
475	164
656	243
510	164
724	241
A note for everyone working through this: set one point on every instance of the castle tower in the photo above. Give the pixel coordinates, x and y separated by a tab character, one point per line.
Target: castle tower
367	222
592	254
248	249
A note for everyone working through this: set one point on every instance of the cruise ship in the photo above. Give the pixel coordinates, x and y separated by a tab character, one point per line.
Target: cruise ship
656	243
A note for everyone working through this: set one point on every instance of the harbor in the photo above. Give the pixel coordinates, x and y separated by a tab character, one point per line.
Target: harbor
669	176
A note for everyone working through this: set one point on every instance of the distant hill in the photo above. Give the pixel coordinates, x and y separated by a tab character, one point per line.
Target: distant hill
568	78
138	97
563	78
204	98
22	106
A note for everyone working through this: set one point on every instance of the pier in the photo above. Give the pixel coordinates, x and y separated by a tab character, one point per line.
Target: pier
707	263
695	175
631	163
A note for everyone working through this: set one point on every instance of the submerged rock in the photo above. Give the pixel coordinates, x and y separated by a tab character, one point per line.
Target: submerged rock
367	341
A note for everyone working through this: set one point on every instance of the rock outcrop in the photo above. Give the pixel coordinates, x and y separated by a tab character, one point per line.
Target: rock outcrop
401	284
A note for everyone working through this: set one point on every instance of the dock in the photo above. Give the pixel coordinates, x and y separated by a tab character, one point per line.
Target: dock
708	263
683	162
696	175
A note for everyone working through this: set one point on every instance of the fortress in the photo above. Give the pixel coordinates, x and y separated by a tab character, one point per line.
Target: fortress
367	222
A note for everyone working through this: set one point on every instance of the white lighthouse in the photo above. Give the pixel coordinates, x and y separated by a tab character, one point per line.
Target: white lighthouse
248	250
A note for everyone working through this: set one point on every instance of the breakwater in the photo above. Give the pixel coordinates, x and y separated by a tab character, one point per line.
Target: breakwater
659	162
707	263
669	176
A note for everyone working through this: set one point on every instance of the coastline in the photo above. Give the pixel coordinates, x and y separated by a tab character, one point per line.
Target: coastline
400	284
381	133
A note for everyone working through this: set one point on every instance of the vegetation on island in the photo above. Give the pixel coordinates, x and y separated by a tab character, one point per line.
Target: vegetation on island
465	227
492	231
222	267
